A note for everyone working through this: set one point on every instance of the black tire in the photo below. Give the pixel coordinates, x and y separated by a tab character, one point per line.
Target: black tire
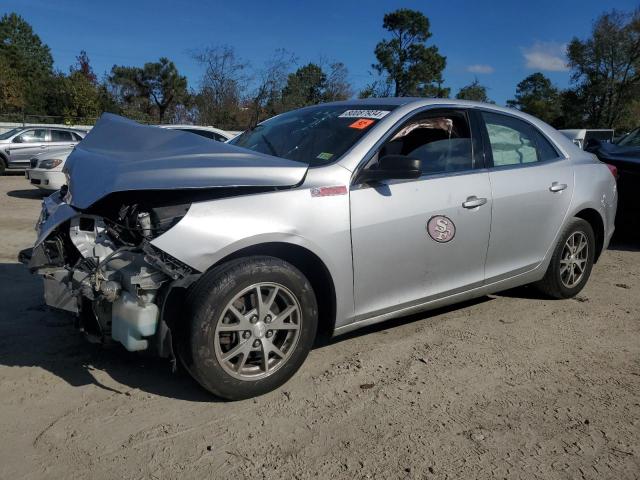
206	303
552	284
3	166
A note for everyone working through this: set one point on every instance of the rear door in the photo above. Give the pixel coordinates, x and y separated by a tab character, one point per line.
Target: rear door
531	186
27	145
61	138
418	239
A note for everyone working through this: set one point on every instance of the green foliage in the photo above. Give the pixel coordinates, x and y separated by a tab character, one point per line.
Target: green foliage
537	96
27	59
606	69
11	88
413	68
474	91
310	85
152	89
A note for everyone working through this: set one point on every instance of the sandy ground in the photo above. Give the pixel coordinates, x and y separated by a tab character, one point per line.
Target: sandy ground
509	386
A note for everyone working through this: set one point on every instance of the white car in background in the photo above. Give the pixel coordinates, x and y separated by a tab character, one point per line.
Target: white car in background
45	170
207	132
582	136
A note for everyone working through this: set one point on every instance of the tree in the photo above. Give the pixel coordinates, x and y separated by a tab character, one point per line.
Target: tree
28	59
266	98
154	88
606	67
412	67
304	87
474	91
222	86
537	96
337	86
83	65
310	85
11	91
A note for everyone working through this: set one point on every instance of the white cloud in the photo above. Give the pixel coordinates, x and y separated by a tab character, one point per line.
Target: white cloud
479	68
546	56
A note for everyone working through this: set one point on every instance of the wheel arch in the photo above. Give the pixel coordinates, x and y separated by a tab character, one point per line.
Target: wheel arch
300	257
310	265
593	217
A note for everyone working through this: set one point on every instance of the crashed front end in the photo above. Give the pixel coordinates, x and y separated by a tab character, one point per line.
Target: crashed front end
127	184
100	265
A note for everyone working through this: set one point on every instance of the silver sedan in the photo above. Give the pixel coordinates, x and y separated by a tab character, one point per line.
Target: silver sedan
234	257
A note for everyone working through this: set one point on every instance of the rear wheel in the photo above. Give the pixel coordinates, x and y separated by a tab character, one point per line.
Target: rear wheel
253	322
572	260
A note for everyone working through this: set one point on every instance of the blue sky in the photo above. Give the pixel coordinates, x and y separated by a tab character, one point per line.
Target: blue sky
498	41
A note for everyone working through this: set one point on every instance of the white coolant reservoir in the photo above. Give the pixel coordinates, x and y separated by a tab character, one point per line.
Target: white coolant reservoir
130	321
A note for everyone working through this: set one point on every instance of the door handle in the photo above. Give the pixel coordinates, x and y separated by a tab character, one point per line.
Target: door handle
557	187
473	202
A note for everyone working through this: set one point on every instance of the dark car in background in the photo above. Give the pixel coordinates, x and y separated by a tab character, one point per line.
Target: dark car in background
624	155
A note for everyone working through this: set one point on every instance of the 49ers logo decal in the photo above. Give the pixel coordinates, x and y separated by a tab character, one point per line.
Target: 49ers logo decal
441	228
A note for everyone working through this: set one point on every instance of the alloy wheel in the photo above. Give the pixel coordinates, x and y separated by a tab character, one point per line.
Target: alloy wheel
258	331
573	261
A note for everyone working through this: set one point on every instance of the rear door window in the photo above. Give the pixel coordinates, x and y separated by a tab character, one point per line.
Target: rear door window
61	136
514	142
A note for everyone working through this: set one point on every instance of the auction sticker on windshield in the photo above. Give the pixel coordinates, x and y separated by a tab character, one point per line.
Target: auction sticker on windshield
361	123
375	114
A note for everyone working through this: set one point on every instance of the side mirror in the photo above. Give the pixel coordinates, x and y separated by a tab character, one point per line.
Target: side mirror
17	139
392	167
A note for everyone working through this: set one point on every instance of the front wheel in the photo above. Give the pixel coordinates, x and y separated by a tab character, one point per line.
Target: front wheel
572	260
253	322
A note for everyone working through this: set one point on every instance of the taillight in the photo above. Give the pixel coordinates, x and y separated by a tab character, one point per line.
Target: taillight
613	169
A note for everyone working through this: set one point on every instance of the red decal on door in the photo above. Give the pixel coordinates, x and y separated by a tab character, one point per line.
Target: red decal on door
328	191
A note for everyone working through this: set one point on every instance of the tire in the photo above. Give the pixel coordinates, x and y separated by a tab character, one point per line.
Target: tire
557	282
215	330
3	166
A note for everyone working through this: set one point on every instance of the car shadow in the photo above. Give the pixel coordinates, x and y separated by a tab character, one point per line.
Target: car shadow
32	335
325	341
32	193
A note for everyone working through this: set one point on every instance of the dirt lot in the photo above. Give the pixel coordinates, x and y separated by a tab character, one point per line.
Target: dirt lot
509	386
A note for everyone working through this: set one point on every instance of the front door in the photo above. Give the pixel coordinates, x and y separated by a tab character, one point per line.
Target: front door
418	239
26	146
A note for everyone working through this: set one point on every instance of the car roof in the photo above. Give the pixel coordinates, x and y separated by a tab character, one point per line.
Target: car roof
417	102
52	127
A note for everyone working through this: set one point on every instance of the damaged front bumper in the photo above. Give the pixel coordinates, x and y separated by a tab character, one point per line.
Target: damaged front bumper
116	289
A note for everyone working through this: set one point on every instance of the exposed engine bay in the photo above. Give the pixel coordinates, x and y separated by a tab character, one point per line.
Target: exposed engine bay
101	266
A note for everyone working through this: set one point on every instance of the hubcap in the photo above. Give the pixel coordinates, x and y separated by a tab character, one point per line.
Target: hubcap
257	331
574	258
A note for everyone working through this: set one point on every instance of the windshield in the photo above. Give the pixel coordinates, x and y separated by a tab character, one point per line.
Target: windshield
8	134
632	139
314	135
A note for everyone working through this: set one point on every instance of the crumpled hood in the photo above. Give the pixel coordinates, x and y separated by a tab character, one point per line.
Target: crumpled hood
122	155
